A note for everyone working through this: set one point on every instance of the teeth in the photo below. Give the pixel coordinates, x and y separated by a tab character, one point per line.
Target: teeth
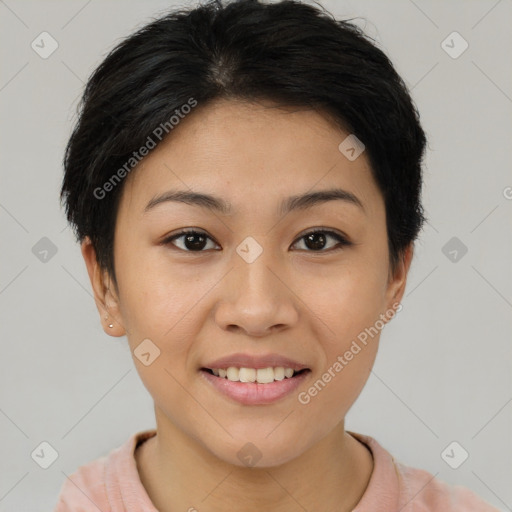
260	375
247	375
279	373
233	373
265	375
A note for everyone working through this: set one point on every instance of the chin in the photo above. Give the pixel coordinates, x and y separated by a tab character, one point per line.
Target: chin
255	448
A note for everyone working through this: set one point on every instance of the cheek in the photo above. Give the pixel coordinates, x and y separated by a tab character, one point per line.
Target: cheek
160	306
347	301
348	307
155	296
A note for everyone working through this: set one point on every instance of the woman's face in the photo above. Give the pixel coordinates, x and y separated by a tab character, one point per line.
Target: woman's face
255	282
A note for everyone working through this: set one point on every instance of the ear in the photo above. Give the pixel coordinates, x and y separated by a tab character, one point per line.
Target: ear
106	300
398	279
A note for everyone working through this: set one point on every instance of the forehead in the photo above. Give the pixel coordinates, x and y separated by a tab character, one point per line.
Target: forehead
250	154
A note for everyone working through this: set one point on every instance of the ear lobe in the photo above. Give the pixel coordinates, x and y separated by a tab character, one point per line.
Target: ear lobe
106	302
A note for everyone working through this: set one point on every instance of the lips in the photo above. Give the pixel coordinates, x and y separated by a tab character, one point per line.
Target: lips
255	380
254	361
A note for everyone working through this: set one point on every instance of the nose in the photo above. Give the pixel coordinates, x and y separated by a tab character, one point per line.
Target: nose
256	298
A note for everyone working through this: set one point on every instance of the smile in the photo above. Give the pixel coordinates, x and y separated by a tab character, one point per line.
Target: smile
259	375
255	386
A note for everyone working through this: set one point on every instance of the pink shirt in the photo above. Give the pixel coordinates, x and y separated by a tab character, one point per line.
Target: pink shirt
112	484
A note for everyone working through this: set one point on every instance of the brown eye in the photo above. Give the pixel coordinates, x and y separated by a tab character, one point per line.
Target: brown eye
318	240
192	241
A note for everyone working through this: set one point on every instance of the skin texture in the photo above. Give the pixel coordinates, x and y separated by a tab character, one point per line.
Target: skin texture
304	303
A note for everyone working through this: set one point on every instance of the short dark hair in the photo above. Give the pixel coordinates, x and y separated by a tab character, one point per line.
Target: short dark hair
291	53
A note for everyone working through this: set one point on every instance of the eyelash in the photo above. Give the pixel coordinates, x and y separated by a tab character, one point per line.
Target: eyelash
342	241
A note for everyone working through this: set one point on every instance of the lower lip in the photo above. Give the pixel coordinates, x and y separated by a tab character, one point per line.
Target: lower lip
252	393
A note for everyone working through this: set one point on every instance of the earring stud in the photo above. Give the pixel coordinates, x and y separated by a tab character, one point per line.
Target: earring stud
110	325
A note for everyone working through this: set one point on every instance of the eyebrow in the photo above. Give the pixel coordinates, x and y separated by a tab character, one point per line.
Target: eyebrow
217	204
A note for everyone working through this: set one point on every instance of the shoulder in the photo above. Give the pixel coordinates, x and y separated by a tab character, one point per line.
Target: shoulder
108	483
394	486
423	492
84	490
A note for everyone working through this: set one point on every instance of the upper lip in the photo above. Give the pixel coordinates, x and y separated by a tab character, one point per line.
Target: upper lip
255	361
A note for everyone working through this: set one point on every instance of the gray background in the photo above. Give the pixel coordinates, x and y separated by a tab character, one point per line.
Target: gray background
443	373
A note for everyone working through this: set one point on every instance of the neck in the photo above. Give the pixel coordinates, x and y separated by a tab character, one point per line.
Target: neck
180	474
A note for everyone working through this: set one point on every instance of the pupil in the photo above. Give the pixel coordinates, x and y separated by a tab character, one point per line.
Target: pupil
191	245
314	238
